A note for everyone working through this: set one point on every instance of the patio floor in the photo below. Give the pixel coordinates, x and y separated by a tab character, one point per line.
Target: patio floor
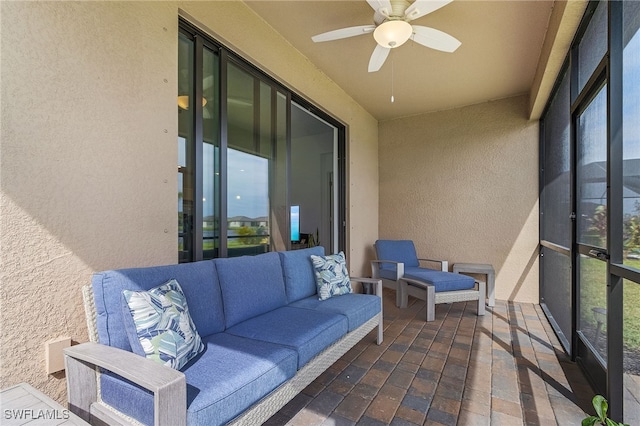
505	368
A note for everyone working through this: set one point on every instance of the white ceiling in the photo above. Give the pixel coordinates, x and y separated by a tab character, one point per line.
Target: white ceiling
501	45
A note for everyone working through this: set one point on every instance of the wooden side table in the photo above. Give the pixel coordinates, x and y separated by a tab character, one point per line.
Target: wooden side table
23	404
483	269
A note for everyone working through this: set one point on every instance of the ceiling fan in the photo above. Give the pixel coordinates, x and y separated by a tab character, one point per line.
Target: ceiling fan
391	28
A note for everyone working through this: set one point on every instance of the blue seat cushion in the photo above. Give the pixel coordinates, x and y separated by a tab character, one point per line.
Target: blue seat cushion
299	274
251	286
358	308
443	281
308	332
397	250
236	373
231	375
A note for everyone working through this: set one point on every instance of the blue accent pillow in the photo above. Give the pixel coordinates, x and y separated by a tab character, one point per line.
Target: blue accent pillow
163	325
332	277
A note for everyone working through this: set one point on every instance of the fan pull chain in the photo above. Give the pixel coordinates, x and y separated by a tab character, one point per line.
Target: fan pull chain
392	99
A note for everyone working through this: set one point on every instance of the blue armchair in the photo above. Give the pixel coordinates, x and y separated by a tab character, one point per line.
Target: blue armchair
400	268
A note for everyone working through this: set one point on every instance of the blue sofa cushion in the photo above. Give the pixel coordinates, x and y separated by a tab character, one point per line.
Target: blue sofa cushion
443	281
332	276
299	275
199	284
163	330
358	308
397	250
308	332
231	375
250	285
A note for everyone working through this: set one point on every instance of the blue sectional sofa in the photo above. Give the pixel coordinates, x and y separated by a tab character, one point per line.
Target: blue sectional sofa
266	336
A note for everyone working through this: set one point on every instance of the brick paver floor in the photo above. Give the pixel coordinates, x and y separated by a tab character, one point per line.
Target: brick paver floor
504	368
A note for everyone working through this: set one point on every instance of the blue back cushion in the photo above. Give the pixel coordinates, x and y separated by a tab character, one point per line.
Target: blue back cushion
299	275
199	283
251	285
397	250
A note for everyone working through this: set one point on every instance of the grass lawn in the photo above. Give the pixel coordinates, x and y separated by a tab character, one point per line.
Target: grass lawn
593	295
632	309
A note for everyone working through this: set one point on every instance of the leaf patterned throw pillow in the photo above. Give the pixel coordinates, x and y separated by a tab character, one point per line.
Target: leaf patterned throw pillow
163	324
332	277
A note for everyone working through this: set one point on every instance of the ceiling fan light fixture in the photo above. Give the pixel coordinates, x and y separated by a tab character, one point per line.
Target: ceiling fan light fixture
392	34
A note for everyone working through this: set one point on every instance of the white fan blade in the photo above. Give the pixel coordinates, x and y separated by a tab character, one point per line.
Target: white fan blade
344	33
435	39
422	7
382	6
378	57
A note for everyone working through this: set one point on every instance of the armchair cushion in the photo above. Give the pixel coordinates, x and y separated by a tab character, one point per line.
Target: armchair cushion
159	325
332	276
442	281
397	250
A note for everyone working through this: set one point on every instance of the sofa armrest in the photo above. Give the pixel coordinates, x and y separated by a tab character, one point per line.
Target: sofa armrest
375	268
169	386
444	265
377	282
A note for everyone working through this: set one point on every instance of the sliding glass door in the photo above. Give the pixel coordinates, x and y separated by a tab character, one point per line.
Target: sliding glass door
198	150
256	165
245	160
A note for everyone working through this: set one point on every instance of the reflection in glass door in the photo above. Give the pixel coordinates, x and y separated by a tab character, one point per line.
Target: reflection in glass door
256	165
591	195
185	149
313	188
210	155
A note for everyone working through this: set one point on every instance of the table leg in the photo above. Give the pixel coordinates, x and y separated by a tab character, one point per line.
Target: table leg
491	283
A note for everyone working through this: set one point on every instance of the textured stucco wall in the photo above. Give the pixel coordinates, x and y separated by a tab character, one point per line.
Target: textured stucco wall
88	154
463	184
88	163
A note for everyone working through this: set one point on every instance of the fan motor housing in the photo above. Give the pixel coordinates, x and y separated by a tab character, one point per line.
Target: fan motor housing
397	12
